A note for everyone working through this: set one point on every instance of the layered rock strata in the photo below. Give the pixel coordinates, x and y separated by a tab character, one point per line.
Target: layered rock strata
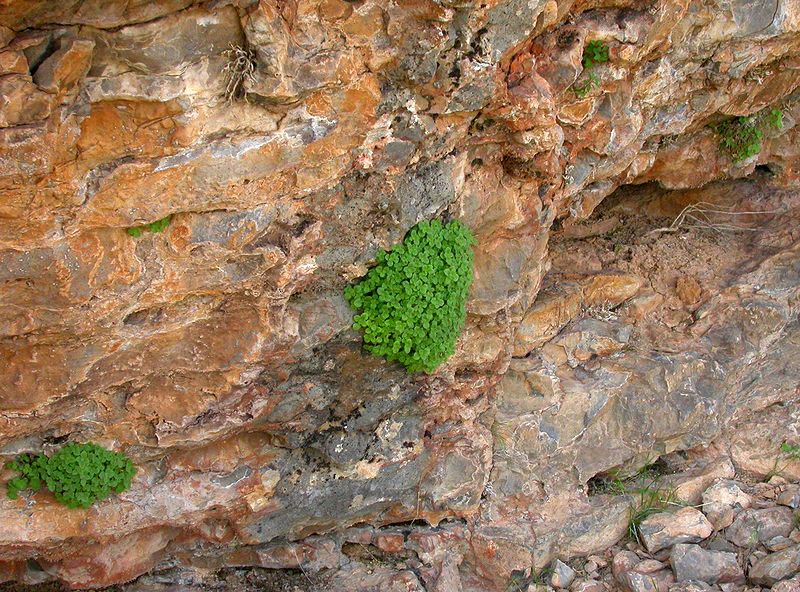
288	141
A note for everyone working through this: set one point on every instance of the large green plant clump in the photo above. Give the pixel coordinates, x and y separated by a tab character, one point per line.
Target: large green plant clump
78	474
412	302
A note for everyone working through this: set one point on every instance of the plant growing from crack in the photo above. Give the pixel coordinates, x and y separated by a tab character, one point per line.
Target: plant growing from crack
157	226
790	453
595	52
645	484
522	580
78	474
411	305
741	137
652	500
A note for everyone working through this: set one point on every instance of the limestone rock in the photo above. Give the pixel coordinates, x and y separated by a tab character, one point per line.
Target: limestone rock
287	143
665	529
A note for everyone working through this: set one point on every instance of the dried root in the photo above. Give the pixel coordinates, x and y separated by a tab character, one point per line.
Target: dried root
241	69
709	216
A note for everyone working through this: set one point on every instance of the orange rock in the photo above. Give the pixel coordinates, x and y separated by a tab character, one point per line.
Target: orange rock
689	289
13	62
610	289
389	542
112	562
116	129
66	66
22	102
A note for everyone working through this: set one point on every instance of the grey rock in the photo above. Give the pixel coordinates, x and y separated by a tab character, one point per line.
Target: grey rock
562	575
692	562
776	566
690	586
633	581
167	45
757	526
792	585
665	529
720	543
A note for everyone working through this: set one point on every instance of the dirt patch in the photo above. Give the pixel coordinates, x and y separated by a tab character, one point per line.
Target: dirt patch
687	265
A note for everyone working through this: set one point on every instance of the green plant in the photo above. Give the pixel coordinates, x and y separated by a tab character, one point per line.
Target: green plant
411	304
774	119
652	500
645	483
78	474
157	226
595	52
617	483
521	580
741	137
791	451
584	88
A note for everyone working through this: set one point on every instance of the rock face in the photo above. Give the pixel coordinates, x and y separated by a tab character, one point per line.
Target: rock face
290	140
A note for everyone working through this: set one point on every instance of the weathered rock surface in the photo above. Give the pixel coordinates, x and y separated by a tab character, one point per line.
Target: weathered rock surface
666	529
758	526
692	562
722	501
288	141
776	566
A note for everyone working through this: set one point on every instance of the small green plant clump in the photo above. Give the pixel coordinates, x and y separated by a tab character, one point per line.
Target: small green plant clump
791	451
652	500
741	137
411	304
595	52
78	474
157	226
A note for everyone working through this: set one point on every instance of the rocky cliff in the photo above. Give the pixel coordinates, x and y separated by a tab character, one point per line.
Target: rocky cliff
628	302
